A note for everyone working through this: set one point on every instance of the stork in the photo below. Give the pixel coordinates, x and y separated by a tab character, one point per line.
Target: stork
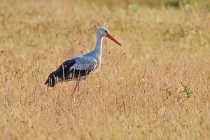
78	68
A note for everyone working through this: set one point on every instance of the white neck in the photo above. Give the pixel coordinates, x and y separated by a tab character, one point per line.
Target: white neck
98	49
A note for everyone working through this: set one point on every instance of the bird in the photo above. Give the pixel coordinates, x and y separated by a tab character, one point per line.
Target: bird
78	68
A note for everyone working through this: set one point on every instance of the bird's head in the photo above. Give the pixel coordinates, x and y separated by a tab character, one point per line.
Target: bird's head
104	33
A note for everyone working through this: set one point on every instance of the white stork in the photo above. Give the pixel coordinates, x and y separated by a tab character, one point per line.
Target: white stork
77	68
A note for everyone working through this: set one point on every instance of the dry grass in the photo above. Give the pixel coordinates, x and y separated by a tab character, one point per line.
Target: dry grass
157	86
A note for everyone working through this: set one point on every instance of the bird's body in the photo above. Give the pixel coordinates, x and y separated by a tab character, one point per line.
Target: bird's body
78	68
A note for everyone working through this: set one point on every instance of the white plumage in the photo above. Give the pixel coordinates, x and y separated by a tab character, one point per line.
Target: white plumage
85	63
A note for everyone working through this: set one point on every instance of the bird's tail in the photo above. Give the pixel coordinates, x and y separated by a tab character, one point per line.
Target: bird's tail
52	80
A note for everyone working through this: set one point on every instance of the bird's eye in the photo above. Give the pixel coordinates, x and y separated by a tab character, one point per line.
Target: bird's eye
106	32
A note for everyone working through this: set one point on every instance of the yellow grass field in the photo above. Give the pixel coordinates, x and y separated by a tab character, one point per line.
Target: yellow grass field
155	86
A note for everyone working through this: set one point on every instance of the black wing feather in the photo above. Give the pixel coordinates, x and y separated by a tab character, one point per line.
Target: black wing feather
60	74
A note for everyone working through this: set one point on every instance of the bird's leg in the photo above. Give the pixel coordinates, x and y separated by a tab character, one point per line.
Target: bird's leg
75	88
78	85
74	92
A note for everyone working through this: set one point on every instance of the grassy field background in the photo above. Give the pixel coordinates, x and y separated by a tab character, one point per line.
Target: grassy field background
156	86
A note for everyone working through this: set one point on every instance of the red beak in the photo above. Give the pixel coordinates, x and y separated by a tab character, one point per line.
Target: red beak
113	39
